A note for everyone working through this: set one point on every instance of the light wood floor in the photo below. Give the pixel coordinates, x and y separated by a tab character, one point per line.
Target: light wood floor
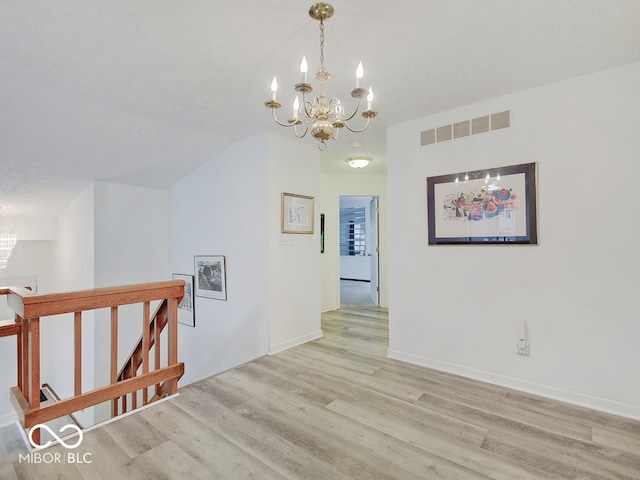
337	408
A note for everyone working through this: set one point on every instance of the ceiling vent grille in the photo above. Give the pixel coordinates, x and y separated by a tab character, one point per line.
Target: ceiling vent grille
466	128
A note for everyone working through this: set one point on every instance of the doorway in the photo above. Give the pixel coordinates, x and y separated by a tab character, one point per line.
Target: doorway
359	251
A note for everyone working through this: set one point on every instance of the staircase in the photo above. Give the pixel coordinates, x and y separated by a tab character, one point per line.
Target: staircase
132	380
136	360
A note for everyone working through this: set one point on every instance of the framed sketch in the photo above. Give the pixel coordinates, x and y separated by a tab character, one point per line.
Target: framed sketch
186	312
297	213
210	273
493	206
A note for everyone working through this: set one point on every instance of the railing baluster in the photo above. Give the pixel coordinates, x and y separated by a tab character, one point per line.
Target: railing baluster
145	347
77	334
114	356
156	347
34	387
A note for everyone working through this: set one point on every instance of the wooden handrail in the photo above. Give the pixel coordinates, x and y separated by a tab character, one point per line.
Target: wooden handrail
31	309
34	305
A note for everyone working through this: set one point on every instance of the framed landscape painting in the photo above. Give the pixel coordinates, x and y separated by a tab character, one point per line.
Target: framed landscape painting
492	206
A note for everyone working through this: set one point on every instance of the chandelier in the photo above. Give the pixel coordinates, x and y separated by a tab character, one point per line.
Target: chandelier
323	116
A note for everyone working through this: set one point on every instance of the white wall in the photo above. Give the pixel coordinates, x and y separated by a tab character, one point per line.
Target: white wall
355	267
454	307
30	227
131	246
294	259
72	269
222	209
332	187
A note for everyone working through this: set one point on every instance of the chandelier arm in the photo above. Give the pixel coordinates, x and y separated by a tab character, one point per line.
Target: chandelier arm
346	119
288	124
305	103
295	130
355	130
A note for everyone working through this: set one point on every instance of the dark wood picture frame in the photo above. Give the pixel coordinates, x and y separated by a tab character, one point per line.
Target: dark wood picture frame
491	206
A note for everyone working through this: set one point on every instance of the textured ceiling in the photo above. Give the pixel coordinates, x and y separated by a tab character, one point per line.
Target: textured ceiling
144	92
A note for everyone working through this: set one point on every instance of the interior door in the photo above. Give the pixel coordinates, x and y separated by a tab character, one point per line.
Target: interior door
374	250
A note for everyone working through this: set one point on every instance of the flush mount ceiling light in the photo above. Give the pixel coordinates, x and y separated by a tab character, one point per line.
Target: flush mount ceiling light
360	161
323	116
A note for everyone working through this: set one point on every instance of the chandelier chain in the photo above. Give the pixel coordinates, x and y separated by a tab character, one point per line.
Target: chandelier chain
322	45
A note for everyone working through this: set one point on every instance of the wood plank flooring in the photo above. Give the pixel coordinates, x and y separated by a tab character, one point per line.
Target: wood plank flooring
337	408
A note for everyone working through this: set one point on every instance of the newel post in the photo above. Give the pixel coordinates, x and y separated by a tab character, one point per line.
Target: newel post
34	368
172	339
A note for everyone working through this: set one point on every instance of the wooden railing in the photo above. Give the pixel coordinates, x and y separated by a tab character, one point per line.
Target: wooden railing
31	309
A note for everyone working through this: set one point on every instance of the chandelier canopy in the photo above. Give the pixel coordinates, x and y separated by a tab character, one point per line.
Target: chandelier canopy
323	116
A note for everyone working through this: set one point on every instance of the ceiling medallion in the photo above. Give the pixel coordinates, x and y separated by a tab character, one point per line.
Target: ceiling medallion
323	116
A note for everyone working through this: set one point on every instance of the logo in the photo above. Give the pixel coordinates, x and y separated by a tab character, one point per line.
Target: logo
55	457
42	426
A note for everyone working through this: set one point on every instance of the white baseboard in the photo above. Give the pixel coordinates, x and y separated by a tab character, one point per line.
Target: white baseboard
602	404
281	346
330	308
8	419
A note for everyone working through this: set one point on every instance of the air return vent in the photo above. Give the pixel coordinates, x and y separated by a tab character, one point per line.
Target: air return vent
466	128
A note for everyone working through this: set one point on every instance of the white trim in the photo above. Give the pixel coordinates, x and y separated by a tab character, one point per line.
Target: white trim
294	342
330	308
602	404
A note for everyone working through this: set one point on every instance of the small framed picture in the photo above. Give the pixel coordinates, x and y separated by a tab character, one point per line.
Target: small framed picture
186	312
297	213
210	273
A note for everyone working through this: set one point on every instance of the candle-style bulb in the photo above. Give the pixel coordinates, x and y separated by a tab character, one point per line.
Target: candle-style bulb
274	88
370	98
296	108
304	68
359	74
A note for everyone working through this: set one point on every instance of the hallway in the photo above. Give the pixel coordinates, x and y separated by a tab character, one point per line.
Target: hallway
355	293
338	408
